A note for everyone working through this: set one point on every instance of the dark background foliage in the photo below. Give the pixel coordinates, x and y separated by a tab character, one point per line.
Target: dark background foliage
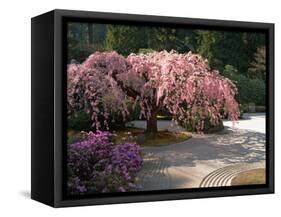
239	56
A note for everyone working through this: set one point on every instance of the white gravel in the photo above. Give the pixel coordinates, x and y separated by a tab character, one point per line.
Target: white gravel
252	121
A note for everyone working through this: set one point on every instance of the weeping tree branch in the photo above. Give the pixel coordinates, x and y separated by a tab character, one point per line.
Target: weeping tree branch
128	90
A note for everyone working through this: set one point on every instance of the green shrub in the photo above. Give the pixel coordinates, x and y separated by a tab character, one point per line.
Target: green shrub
146	50
79	121
80	52
243	109
189	125
229	71
260	109
134	112
249	90
258	91
244	90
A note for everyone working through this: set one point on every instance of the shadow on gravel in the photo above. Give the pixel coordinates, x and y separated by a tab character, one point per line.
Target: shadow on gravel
229	146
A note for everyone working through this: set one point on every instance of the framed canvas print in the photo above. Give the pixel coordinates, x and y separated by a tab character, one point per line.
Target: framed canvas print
130	108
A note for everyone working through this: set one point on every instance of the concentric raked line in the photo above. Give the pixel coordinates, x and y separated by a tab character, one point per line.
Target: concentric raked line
223	176
155	175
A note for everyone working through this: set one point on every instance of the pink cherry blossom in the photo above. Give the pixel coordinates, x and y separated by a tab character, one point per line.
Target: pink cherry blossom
184	84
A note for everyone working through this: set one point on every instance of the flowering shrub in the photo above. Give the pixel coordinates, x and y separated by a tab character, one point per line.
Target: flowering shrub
96	164
179	83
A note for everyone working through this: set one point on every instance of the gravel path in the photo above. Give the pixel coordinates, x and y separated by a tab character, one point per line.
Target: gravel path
222	155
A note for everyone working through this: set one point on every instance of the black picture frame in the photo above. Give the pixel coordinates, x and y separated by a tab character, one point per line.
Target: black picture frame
48	68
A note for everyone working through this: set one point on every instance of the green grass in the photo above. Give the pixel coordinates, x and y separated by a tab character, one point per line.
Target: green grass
151	139
251	177
164	117
165	138
139	136
74	136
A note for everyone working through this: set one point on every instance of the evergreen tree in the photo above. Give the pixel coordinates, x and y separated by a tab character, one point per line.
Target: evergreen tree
258	65
125	39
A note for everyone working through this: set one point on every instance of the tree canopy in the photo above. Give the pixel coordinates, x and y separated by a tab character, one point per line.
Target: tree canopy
183	84
237	55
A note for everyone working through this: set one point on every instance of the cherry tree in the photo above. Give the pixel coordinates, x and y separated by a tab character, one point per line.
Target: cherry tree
183	84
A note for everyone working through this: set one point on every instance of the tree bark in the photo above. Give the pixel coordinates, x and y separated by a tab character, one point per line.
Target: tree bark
151	123
90	33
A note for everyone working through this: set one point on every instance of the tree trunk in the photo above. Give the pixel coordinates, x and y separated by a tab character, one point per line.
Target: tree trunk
151	123
90	33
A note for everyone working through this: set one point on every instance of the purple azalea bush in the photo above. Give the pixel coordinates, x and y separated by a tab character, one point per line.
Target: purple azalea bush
96	165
